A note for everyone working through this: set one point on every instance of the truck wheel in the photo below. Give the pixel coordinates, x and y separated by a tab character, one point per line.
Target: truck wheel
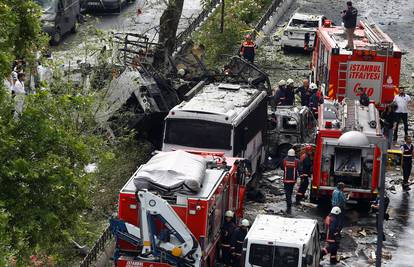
364	206
75	27
56	38
312	197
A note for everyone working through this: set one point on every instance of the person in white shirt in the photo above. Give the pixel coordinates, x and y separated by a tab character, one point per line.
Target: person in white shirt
18	88
402	100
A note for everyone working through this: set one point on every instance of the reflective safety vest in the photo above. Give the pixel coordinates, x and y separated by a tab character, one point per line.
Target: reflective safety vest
290	167
407	150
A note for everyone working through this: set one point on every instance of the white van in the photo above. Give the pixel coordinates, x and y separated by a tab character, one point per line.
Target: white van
300	29
275	241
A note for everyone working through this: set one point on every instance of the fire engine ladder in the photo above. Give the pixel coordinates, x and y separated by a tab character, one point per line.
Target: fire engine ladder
342	75
376	36
351	116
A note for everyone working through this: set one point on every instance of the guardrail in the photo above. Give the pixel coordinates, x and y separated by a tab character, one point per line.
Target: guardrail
262	22
98	248
183	36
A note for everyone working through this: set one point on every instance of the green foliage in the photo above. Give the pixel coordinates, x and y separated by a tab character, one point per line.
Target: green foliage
20	31
240	18
44	183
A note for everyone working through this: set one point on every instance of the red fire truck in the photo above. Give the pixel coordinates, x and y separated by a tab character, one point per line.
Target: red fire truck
373	65
172	209
349	146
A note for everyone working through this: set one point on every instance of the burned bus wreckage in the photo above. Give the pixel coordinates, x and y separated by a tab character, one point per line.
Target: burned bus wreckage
140	96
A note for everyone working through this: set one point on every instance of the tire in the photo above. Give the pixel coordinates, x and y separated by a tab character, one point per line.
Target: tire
56	38
75	26
312	197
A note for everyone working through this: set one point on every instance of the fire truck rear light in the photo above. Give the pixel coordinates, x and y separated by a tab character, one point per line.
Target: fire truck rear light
373	53
133	207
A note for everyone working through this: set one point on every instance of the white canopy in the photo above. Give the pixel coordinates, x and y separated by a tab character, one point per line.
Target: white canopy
172	171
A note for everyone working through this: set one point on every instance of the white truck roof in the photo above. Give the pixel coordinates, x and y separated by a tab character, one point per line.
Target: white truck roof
307	17
219	102
272	228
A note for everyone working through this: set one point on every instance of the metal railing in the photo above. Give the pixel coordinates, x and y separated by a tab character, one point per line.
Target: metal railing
183	36
275	4
98	248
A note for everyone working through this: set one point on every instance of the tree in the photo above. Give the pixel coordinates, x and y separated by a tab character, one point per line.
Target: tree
20	31
169	21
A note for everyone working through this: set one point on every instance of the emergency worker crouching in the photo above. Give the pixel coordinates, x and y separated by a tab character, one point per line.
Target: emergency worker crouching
226	234
306	163
290	168
332	235
237	240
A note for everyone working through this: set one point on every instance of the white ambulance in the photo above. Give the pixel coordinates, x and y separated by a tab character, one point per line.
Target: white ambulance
275	241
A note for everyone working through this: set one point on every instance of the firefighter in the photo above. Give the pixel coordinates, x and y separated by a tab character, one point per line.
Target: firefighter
226	234
306	163
290	92
313	99
363	97
339	200
408	151
290	167
332	235
349	17
305	93
237	239
281	94
248	49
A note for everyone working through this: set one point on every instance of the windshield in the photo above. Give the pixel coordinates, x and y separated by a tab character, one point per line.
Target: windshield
198	134
273	256
304	23
47	5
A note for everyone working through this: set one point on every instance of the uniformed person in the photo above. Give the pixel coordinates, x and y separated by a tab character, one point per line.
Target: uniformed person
237	240
332	235
248	48
306	163
226	233
408	151
290	168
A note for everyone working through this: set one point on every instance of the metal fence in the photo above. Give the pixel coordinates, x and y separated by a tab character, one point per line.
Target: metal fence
98	248
183	36
275	4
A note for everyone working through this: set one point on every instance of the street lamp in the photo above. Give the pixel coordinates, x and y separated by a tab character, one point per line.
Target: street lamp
222	16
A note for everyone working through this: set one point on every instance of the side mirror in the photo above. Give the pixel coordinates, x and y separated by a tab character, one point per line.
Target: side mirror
307	260
244	137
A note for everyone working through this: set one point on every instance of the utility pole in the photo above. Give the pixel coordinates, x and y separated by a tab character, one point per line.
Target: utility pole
222	16
380	229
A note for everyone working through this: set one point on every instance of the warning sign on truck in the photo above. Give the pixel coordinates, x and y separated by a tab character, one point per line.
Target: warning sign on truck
365	75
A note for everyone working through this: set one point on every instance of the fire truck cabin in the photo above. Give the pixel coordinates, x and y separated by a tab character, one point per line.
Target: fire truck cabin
373	64
348	150
221	188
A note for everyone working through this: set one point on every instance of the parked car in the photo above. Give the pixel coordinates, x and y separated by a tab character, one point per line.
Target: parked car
111	5
301	30
59	17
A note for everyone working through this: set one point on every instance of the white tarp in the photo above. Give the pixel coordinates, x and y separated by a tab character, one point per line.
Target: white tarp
172	171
